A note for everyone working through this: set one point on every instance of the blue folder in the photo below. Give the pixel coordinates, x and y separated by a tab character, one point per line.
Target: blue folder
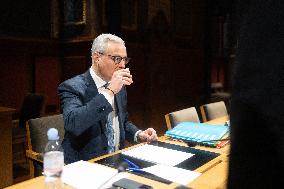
202	133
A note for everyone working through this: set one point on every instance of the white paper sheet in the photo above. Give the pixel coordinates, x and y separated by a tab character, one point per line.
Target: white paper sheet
158	154
174	174
86	175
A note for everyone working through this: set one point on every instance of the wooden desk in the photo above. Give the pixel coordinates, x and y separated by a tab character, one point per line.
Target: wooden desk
6	164
214	173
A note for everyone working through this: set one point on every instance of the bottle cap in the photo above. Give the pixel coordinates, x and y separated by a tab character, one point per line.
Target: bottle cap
52	134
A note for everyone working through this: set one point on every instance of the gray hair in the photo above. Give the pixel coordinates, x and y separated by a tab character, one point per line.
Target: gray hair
100	42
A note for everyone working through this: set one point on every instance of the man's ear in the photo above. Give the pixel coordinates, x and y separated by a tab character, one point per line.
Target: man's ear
95	56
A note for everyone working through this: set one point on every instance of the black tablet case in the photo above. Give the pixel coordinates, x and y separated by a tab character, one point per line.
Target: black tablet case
200	158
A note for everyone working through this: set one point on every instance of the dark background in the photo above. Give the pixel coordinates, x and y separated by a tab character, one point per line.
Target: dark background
178	48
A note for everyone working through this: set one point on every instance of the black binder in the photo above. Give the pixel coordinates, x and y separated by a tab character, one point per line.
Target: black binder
200	158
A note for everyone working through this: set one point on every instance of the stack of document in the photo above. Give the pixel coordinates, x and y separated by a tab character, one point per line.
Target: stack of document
202	133
165	160
153	154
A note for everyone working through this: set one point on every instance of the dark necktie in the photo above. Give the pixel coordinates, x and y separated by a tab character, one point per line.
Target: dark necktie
110	133
109	130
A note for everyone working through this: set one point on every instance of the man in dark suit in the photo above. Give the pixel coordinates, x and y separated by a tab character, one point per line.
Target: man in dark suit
94	104
257	116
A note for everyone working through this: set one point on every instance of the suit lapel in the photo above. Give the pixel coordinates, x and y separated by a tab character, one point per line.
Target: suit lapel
91	91
117	101
91	86
118	104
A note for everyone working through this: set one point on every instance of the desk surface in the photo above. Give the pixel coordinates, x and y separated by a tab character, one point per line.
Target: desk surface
214	173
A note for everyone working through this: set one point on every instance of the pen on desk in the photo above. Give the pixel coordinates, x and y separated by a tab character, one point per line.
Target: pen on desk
133	165
135	168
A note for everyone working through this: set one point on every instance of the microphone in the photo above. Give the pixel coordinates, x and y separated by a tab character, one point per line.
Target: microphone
121	168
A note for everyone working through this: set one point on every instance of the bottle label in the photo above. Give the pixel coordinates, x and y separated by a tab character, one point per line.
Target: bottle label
53	163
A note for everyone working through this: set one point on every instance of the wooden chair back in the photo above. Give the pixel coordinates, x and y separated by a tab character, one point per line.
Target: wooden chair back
37	139
188	114
213	110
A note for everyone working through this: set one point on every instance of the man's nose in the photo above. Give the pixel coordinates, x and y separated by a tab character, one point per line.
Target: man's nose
122	64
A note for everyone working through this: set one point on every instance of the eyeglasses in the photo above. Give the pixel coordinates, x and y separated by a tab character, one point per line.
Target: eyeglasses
117	59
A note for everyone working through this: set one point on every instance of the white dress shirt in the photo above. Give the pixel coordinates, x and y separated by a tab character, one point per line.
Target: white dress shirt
115	123
100	85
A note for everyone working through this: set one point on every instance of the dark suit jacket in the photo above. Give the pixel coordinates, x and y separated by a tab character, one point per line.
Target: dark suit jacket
259	70
85	112
256	115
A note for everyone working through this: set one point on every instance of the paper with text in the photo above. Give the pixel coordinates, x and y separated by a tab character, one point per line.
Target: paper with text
174	174
86	175
159	155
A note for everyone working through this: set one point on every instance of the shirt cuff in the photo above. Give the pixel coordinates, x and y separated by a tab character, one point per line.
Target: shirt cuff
136	136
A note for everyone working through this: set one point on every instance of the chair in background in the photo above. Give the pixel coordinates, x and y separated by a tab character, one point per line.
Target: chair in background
213	110
33	106
37	139
188	114
219	94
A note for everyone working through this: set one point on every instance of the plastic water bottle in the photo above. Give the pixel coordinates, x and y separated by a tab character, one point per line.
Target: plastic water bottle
53	161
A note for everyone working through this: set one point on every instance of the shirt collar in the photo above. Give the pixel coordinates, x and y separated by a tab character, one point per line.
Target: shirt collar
98	81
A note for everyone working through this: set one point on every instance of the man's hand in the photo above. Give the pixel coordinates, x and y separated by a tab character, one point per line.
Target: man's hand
148	135
120	78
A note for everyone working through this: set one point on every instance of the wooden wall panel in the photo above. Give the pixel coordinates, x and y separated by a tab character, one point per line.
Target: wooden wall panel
18	58
73	65
218	70
138	69
165	79
16	79
47	78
